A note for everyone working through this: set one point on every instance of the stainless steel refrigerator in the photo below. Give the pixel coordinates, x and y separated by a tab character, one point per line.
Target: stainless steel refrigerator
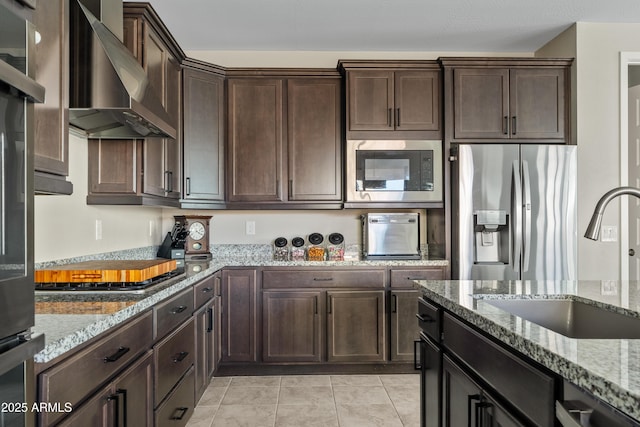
514	212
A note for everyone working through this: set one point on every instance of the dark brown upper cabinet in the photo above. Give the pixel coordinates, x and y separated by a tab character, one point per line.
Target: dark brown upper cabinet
284	139
393	99
203	135
150	170
51	150
507	99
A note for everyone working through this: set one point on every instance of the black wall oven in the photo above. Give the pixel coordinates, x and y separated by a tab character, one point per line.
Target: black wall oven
18	92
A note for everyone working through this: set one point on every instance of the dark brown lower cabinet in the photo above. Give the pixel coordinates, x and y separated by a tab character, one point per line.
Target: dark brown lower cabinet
465	403
239	323
127	400
356	329
176	410
404	326
292	326
206	319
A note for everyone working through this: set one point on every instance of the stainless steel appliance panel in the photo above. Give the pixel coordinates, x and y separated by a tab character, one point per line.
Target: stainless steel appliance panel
549	215
391	235
484	184
514	212
394	171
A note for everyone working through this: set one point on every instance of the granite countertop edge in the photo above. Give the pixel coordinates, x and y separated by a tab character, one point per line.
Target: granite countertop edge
608	390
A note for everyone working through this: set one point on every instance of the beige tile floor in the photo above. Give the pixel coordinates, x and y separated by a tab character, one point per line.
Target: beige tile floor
310	400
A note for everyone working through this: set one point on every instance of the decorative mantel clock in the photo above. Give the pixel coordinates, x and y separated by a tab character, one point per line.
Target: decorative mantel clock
197	241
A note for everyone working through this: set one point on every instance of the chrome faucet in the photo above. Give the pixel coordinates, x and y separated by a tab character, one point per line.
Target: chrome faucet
593	230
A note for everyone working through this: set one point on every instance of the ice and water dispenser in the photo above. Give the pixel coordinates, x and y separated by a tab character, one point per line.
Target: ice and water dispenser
491	244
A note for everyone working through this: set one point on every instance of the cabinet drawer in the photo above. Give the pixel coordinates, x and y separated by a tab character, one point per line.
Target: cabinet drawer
174	355
204	291
429	318
178	408
171	313
296	278
504	371
405	278
73	379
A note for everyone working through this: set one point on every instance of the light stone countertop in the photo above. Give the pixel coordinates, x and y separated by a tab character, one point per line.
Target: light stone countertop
68	319
607	368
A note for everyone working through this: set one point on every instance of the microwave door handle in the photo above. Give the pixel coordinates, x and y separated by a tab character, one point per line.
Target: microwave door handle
516	210
527	215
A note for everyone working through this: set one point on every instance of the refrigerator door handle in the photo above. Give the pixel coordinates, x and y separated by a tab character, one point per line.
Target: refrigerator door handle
527	215
516	211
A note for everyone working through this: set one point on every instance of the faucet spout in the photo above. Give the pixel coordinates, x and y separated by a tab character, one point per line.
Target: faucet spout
593	230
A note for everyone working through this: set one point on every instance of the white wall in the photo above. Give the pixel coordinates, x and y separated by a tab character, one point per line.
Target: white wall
65	225
597	109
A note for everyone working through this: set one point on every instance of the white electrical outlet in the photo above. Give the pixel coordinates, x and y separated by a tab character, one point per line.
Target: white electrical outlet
98	229
609	233
250	227
150	228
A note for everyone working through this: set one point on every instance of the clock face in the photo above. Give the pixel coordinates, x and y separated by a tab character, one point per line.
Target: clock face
196	231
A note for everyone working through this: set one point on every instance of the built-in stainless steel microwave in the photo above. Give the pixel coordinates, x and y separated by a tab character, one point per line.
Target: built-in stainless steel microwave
394	171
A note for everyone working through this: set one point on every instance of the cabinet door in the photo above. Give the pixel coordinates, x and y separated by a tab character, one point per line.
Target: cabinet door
205	358
314	139
98	411
200	360
173	147
460	396
203	136
239	321
112	166
370	100
291	323
134	388
356	326
430	384
417	100
404	325
481	103
537	103
154	60
255	140
52	71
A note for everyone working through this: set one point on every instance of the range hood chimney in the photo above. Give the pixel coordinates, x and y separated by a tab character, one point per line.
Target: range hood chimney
110	94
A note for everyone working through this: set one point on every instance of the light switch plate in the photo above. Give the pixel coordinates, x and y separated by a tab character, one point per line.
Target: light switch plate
609	233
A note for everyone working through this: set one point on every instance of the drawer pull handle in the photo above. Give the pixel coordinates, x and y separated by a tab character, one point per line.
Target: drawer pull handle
416	278
207	290
322	279
179	413
573	414
117	355
425	318
180	356
179	309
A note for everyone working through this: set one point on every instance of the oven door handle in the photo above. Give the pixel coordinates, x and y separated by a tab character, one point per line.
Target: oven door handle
20	353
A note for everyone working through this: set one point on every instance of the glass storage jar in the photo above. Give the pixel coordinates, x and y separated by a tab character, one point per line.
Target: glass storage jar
335	248
280	249
316	250
298	251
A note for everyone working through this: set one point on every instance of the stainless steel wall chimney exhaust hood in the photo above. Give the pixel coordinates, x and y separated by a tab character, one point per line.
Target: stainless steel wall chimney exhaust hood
110	94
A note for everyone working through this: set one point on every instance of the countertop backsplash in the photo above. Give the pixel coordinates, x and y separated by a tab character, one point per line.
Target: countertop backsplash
262	252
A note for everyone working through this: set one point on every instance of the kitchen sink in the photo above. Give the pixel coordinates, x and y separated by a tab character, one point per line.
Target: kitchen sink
573	319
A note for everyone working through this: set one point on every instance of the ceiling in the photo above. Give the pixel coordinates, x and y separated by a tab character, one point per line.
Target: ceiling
382	25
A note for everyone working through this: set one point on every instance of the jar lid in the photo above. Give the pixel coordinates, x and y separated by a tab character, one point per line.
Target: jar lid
336	238
297	242
315	238
280	242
